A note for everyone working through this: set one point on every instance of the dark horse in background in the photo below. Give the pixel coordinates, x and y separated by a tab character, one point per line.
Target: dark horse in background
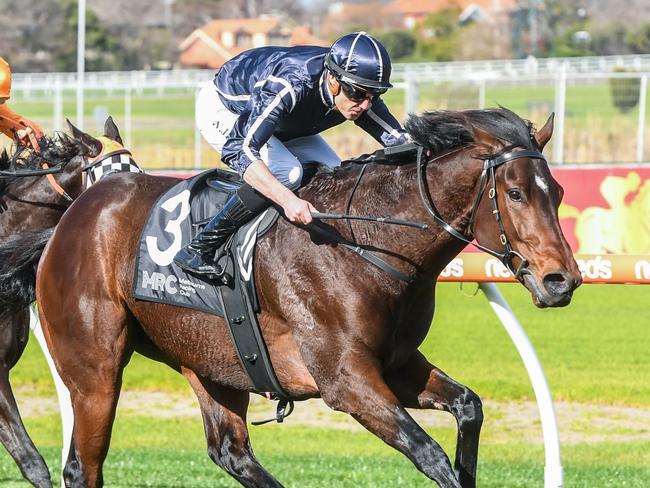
28	205
335	326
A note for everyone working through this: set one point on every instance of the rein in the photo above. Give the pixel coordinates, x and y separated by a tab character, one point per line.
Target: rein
488	173
47	170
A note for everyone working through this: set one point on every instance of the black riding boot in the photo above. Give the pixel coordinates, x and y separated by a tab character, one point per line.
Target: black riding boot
240	208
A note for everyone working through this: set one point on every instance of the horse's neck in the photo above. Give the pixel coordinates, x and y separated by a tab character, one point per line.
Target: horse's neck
39	191
71	178
393	191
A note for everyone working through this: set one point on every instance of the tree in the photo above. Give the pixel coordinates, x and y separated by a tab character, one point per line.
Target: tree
438	36
400	44
29	32
103	50
639	40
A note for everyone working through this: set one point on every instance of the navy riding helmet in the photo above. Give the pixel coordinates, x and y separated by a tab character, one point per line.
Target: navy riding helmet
361	60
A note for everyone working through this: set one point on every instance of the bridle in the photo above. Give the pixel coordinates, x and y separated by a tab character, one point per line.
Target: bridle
488	173
47	170
88	165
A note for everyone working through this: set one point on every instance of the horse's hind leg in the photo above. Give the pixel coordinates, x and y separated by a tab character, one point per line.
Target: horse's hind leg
14	329
419	384
224	418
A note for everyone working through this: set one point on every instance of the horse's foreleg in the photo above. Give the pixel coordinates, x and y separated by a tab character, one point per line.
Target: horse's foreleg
224	418
14	328
358	388
419	384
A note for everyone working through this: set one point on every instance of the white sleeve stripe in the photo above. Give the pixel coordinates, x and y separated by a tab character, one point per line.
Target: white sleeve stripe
282	81
259	120
384	125
260	83
347	65
288	87
234	97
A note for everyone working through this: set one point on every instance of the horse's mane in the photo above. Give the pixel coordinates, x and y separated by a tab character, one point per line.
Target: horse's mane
54	150
444	130
438	131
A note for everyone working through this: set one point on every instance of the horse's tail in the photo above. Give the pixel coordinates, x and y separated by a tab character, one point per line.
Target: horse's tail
19	259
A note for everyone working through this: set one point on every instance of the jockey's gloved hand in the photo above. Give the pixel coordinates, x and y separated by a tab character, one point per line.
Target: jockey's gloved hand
298	211
30	125
29	128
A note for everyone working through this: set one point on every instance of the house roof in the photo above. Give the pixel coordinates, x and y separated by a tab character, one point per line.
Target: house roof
302	36
203	47
261	25
343	18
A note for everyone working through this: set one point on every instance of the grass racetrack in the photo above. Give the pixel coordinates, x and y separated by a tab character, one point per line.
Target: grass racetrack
595	357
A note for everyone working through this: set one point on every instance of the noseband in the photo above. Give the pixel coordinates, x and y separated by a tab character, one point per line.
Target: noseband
488	173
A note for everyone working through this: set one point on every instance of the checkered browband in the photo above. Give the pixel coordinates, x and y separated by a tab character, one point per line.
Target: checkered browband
113	162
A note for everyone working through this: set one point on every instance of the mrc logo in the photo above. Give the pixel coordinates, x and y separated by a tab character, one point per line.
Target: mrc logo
159	282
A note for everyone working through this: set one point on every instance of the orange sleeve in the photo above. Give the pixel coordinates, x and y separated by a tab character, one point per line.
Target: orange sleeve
7	129
9	114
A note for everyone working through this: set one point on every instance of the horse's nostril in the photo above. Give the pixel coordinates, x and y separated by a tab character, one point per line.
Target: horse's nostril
557	283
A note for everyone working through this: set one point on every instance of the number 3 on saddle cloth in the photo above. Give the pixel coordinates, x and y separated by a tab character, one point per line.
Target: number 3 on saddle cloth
177	216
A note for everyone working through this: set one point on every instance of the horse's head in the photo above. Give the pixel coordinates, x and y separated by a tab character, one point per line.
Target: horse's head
518	215
63	159
93	151
91	147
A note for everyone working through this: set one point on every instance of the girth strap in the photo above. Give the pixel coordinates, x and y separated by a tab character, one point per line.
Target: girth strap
249	344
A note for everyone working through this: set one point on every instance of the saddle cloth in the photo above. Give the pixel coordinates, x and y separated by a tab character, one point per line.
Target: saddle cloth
177	216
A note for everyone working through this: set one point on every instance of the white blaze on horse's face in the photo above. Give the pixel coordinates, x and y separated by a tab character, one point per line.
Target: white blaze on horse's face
541	184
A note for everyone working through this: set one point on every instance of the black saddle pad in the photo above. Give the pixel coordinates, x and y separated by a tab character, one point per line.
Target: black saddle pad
177	216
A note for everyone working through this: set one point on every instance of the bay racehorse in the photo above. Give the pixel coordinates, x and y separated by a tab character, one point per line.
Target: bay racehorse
335	326
31	202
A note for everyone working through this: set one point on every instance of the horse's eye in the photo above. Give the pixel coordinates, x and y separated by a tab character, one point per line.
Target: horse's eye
515	195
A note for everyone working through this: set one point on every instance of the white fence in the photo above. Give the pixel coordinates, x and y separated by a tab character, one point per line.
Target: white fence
155	108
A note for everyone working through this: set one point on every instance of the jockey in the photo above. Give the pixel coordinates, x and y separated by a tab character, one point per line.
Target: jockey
264	111
9	120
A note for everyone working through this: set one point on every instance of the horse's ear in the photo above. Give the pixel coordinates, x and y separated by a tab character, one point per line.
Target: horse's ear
91	147
484	139
111	131
544	134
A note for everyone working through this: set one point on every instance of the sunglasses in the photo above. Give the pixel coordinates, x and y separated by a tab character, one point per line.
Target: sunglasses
357	94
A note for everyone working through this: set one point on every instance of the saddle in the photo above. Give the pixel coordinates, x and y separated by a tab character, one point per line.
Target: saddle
177	216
